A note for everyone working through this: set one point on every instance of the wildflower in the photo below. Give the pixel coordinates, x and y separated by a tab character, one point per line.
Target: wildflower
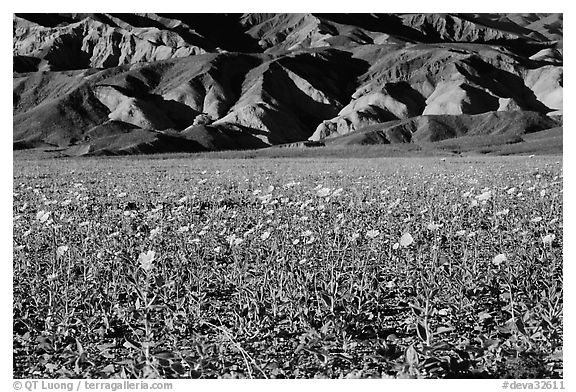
217	250
42	216
395	246
265	236
203	181
122	194
503	212
146	259
183	229
52	277
337	192
433	226
323	192
296	241
548	239
154	232
406	240
460	233
183	200
61	250
536	219
234	241
372	234
307	233
265	198
484	196
499	259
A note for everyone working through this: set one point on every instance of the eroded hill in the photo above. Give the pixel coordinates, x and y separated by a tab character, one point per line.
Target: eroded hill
140	83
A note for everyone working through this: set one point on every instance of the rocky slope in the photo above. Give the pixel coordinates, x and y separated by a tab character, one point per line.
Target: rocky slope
140	83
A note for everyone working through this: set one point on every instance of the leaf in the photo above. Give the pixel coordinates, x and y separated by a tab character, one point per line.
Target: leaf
345	356
105	346
107	354
108	369
557	356
411	356
327	299
440	330
432	364
417	309
128	344
178	368
326	327
79	347
422	331
165	355
125	362
441	346
163	362
487	343
520	326
322	356
301	346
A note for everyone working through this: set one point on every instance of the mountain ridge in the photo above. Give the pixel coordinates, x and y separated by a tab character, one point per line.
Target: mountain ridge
140	83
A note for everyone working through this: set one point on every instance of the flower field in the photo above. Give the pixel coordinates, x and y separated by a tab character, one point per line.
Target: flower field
288	268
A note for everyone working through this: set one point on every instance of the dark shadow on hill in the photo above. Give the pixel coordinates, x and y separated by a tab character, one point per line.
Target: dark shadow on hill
503	83
383	23
223	30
